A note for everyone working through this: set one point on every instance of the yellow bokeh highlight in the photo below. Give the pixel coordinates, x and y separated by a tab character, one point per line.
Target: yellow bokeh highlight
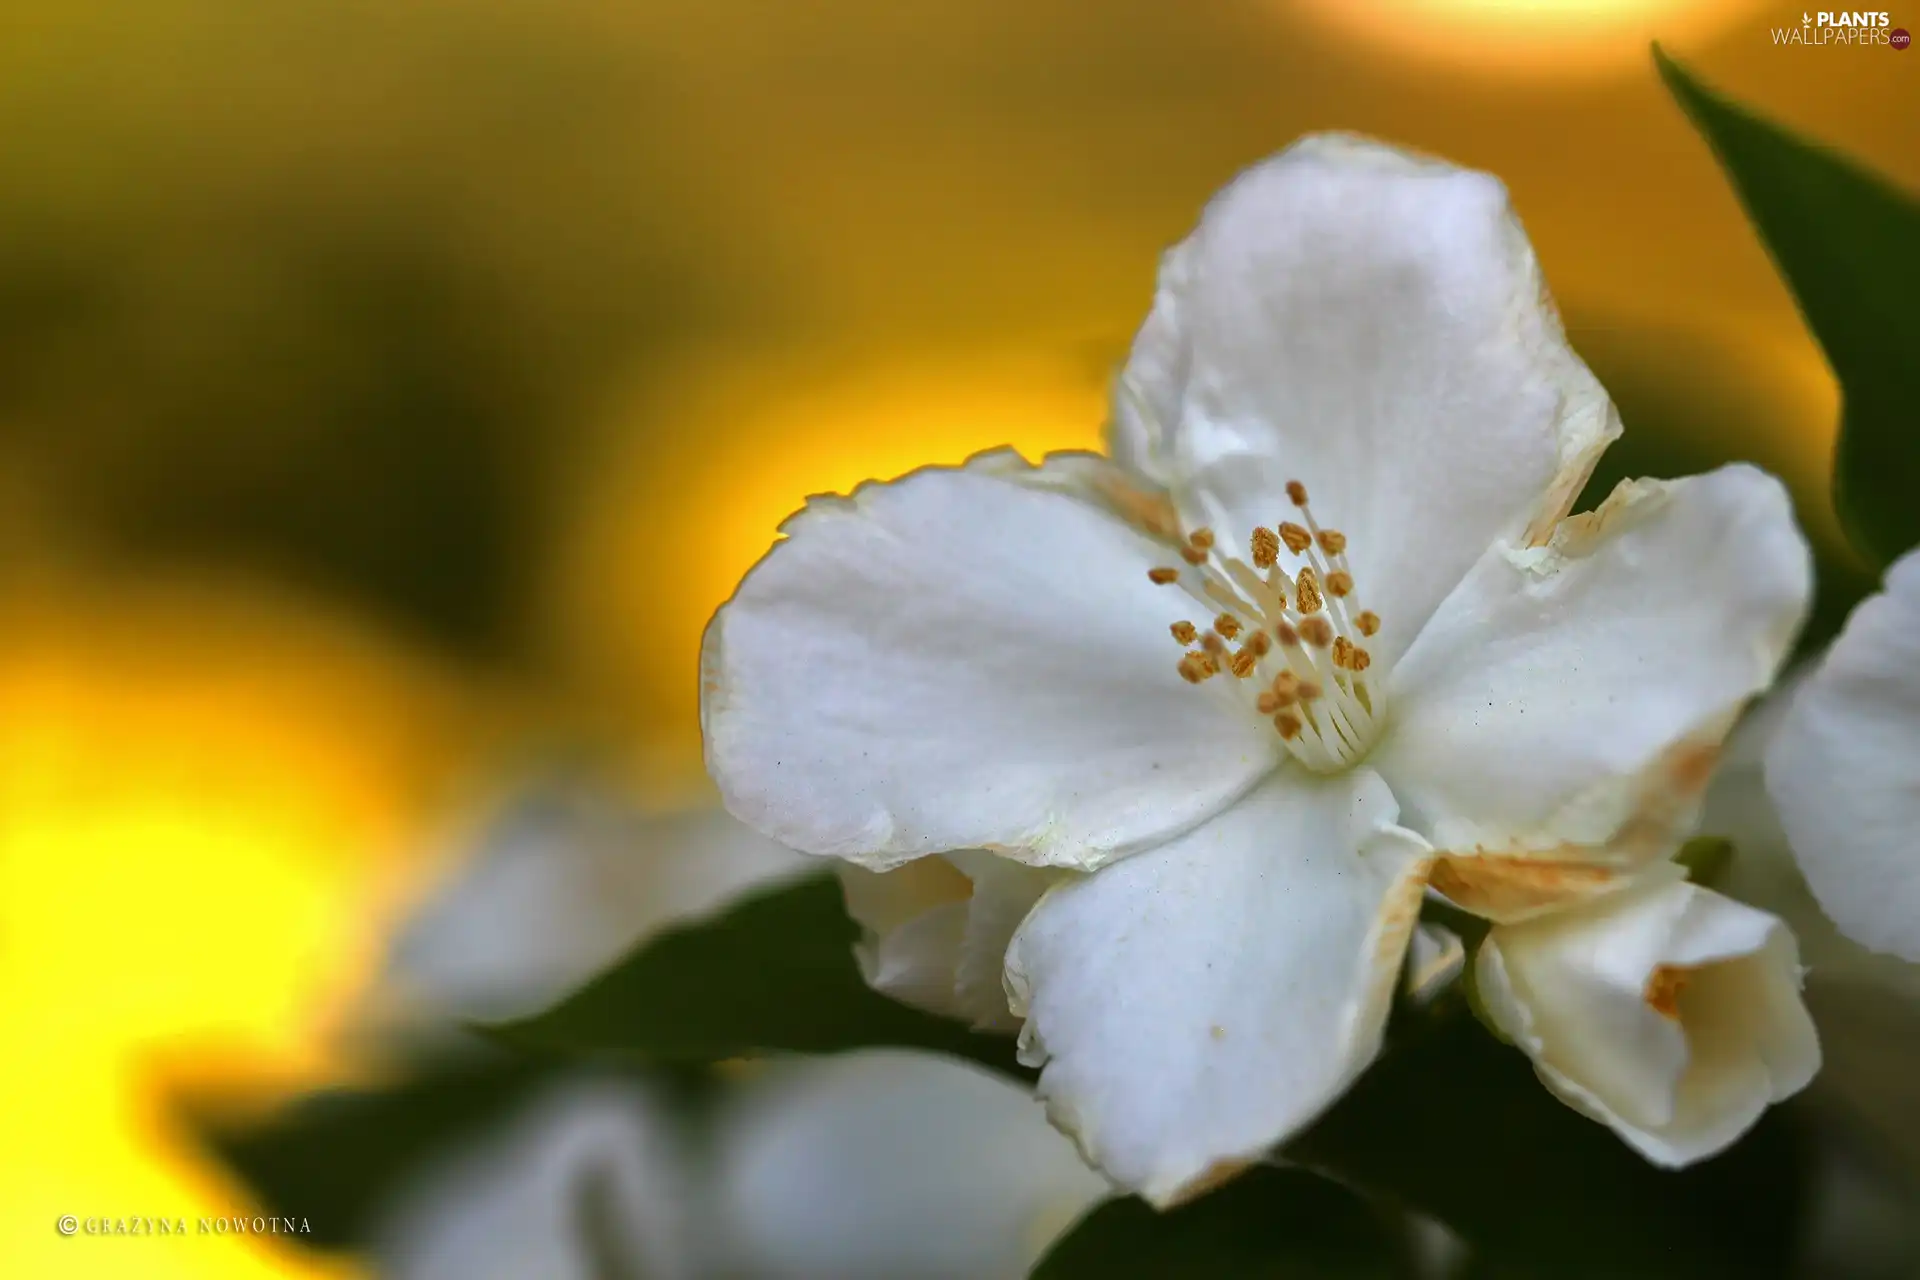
736	449
1536	39
198	798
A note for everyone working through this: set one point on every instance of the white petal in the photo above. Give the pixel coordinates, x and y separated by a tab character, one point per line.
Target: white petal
1565	691
961	659
1844	771
1196	1004
1763	871
589	1179
1865	1004
1572	990
1371	323
887	1164
1436	956
559	887
937	931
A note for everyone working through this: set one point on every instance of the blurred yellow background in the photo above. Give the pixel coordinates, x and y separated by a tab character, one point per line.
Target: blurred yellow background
389	390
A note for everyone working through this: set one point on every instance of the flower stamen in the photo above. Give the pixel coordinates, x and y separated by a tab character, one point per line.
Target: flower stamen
1321	702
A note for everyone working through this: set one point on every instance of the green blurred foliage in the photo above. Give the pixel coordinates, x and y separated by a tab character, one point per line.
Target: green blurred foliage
774	972
1848	243
1286	1224
328	293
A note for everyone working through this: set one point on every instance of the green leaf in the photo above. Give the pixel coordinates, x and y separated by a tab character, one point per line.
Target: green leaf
336	1156
1283	1223
1455	1125
1706	859
774	972
1848	243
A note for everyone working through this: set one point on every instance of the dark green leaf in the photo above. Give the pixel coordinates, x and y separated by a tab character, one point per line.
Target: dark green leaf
334	1157
775	972
1848	244
1455	1125
1706	858
1284	1223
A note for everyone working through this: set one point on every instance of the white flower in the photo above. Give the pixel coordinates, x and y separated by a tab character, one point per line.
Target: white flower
1662	1010
1844	770
873	1164
937	930
547	889
869	1166
1866	1005
1346	440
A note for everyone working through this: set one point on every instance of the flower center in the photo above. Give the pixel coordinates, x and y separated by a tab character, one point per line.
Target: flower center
1289	642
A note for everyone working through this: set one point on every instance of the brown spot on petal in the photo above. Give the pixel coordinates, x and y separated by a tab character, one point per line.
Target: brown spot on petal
1150	512
1508	886
1399	913
1663	990
1689	767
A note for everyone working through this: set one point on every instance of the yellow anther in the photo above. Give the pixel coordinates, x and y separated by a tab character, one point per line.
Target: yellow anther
1287	685
1213	644
1296	537
1297	492
1309	690
1162	576
1227	625
1342	652
1361	660
1266	547
1285	634
1308	589
1288	724
1201	538
1243	663
1185	632
1196	666
1368	622
1193	555
1268	703
1259	642
1332	541
1317	631
1339	584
